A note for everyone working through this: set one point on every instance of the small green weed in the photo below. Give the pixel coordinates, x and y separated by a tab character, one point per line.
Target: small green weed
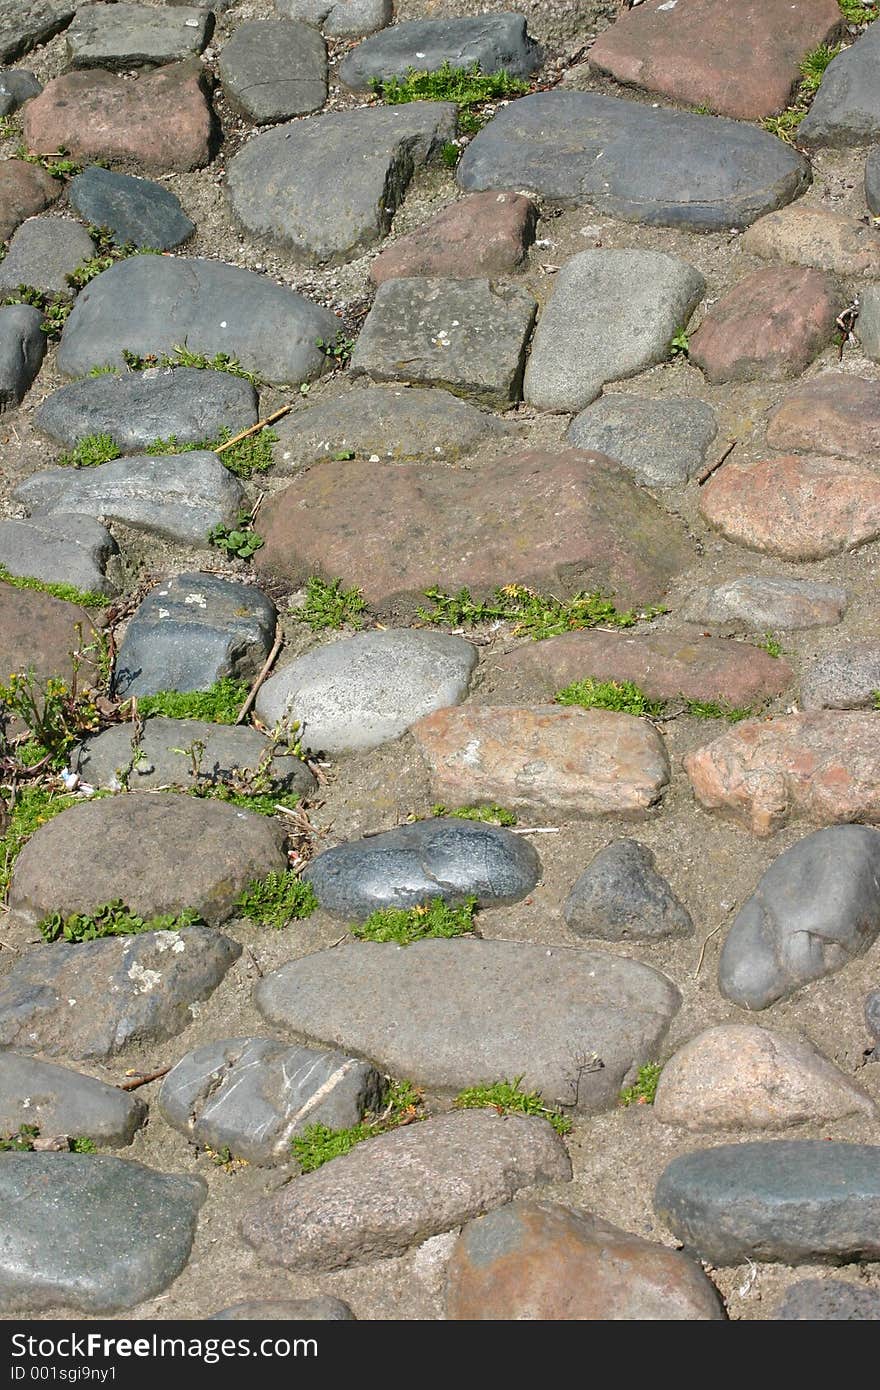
812	69
679	345
55	308
813	66
535	615
450	153
785	125
644	1088
339	351
317	1145
33	806
877	699
330	606
55	164
508	1098
770	644
277	899
54	712
111	919
409	924
85	598
623	696
247	457
493	815
220	704
717	709
91	452
107	370
10	126
241	540
854	12
22	1141
181	356
83	1145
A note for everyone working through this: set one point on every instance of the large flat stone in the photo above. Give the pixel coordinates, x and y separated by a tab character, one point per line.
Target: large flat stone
828	1300
64	1102
59	549
341	18
468	1012
581	147
769	327
661	442
278	184
274	69
758	603
22	348
846	108
834	413
136	211
563	521
26	23
485	234
816	236
39	632
150	304
132	36
843	677
496	42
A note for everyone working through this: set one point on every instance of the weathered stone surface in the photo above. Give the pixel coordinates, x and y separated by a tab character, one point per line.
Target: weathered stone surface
25	190
497	42
39	632
22	348
872	181
621	897
769	327
59	550
567	521
740	58
869	322
581	147
138	211
824	766
181	496
611	315
130	36
160	852
815	236
252	1095
399	424
318	1309
139	304
846	109
137	408
795	1201
567	761
834	413
42	253
533	1260
469	1011
661	442
26	23
64	1102
108	758
446	858
17	86
193	630
162	122
666	665
755	603
364	690
274	69
843	678
828	1300
484	234
797	507
740	1076
815	909
278	183
401	1187
872	1013
91	1232
341	18
131	989
468	336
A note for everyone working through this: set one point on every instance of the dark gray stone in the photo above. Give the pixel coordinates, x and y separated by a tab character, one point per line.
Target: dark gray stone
192	631
662	442
496	42
468	336
317	1309
64	1102
132	989
575	1024
124	36
843	678
136	211
872	1013
580	147
828	1300
272	69
791	1201
444	858
350	19
17	86
91	1232
279	190
26	23
621	897
59	550
42	253
815	909
869	321
148	304
181	496
22	348
758	603
846	109
252	1095
137	408
872	181
108	759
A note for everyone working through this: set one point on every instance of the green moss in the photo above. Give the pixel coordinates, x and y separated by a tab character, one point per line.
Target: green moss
33	806
406	925
717	709
83	1145
812	69
85	598
277	899
244	459
813	65
644	1089
262	803
623	696
854	12
493	815
111	919
317	1145
508	1098
533	614
770	644
220	704
330	606
91	452
470	89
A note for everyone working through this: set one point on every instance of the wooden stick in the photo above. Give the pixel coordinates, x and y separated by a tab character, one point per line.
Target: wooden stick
254	429
713	932
142	1080
713	467
267	666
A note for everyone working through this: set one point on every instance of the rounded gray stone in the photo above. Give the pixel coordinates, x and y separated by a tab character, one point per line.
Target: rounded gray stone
621	897
446	858
846	109
26	23
868	323
872	181
317	1309
137	408
365	690
90	1232
757	603
22	348
42	253
59	549
662	442
350	19
815	909
136	211
497	43
17	86
274	69
828	1300
128	36
64	1102
791	1201
844	678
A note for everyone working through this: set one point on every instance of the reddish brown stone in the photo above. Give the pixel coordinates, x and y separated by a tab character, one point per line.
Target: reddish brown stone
38	632
738	57
768	327
834	413
816	237
824	766
25	190
664	664
161	121
483	234
799	508
539	1262
568	520
571	761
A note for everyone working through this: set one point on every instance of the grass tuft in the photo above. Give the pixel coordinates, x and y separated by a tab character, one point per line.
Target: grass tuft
90	452
623	696
111	919
409	924
277	899
717	709
85	598
220	704
644	1088
318	1145
533	614
508	1098
330	606
492	815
